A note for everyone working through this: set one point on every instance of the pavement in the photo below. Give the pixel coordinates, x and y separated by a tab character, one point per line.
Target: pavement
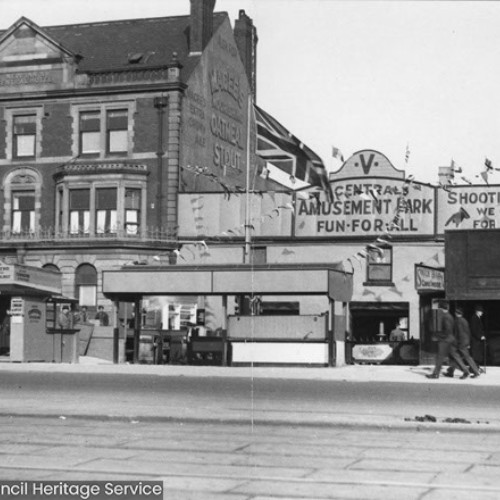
348	373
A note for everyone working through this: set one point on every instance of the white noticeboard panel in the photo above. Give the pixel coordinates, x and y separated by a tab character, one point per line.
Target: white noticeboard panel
279	352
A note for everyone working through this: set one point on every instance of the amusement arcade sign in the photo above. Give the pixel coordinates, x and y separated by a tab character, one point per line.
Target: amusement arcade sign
368	206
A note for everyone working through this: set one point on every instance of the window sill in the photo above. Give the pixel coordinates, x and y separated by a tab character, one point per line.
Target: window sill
378	283
116	154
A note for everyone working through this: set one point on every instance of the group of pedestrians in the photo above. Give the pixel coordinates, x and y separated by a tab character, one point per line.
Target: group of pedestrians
454	341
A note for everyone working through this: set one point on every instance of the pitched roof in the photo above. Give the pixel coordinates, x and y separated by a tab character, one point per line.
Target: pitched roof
109	45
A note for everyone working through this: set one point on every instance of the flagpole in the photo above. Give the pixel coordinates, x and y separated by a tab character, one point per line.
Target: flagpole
246	255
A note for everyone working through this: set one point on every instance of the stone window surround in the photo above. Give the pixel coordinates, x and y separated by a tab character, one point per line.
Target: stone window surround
21	179
102	107
9	138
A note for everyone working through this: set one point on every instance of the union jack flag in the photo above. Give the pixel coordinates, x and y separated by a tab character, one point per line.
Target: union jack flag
277	146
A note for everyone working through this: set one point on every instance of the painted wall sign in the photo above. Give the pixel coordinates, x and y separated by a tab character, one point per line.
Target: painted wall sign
215	116
211	214
33	277
371	352
368	190
34	314
16	306
468	207
6	273
428	279
367	206
368	163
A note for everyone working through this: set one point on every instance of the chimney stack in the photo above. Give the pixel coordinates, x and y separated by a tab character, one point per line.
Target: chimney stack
201	25
245	35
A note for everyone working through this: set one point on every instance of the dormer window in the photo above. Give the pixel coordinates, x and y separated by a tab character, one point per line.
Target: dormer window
135	57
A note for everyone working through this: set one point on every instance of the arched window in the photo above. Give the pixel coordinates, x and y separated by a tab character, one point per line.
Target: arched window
23	194
51	267
86	285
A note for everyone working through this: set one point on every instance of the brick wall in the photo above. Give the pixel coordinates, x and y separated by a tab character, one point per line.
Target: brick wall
146	127
57	126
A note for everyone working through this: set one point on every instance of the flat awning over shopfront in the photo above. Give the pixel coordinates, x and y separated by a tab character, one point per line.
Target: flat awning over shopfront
273	279
17	279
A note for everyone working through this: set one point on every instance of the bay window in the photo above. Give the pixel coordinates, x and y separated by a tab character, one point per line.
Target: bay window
132	210
79	211
96	208
105	204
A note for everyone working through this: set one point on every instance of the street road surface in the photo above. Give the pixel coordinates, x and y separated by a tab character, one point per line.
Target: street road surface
218	461
234	399
226	438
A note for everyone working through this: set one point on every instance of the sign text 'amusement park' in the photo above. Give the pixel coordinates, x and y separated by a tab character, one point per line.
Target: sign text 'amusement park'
364	208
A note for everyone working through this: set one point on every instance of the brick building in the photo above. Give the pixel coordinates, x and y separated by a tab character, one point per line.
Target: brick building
103	124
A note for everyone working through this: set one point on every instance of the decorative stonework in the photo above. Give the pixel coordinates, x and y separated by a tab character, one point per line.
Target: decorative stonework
23	179
128	76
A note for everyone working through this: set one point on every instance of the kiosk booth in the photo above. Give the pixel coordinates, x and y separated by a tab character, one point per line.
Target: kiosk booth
30	299
248	338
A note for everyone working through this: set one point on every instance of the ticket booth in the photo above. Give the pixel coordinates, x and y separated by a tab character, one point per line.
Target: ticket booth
25	293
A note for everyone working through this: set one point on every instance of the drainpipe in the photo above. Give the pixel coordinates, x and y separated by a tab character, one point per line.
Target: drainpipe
160	103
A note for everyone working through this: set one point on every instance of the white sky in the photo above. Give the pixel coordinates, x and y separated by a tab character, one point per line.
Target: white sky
356	74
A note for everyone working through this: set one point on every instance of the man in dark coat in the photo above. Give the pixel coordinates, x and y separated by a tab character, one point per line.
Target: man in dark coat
462	334
478	336
447	343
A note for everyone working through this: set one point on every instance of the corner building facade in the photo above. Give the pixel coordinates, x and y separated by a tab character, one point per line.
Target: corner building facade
101	126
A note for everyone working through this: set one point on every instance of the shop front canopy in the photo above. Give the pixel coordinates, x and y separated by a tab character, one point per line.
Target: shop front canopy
17	279
131	283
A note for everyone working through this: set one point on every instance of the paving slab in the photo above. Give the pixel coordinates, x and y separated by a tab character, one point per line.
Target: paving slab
330	491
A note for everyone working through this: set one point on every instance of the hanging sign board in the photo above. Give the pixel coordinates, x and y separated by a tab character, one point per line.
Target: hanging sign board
428	279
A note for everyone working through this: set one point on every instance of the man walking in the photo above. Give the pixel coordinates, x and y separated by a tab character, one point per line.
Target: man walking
447	343
462	333
478	336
